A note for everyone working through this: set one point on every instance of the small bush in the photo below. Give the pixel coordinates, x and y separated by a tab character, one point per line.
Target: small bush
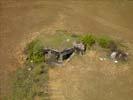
35	51
105	42
88	40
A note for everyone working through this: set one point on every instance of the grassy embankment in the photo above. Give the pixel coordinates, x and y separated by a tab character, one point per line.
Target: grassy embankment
31	84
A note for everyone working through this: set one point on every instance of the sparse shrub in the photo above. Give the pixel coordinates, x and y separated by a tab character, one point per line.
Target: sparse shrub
28	84
88	40
38	70
22	86
34	51
105	42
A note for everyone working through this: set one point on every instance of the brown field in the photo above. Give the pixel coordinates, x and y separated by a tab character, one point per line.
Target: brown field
79	79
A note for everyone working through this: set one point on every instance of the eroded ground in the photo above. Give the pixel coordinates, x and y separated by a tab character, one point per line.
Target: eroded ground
18	20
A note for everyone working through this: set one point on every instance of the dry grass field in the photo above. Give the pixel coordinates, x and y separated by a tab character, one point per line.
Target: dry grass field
80	79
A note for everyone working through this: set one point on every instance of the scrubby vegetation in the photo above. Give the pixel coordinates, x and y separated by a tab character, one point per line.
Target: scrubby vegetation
88	40
28	85
34	51
104	41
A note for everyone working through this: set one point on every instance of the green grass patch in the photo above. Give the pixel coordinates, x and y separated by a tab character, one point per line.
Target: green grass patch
34	51
88	40
60	40
105	42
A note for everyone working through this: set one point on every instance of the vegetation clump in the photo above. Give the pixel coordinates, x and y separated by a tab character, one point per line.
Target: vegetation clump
88	40
105	42
34	51
28	84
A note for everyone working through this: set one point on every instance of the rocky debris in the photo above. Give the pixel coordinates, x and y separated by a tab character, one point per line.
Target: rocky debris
54	55
58	56
119	55
102	59
66	53
80	48
51	53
